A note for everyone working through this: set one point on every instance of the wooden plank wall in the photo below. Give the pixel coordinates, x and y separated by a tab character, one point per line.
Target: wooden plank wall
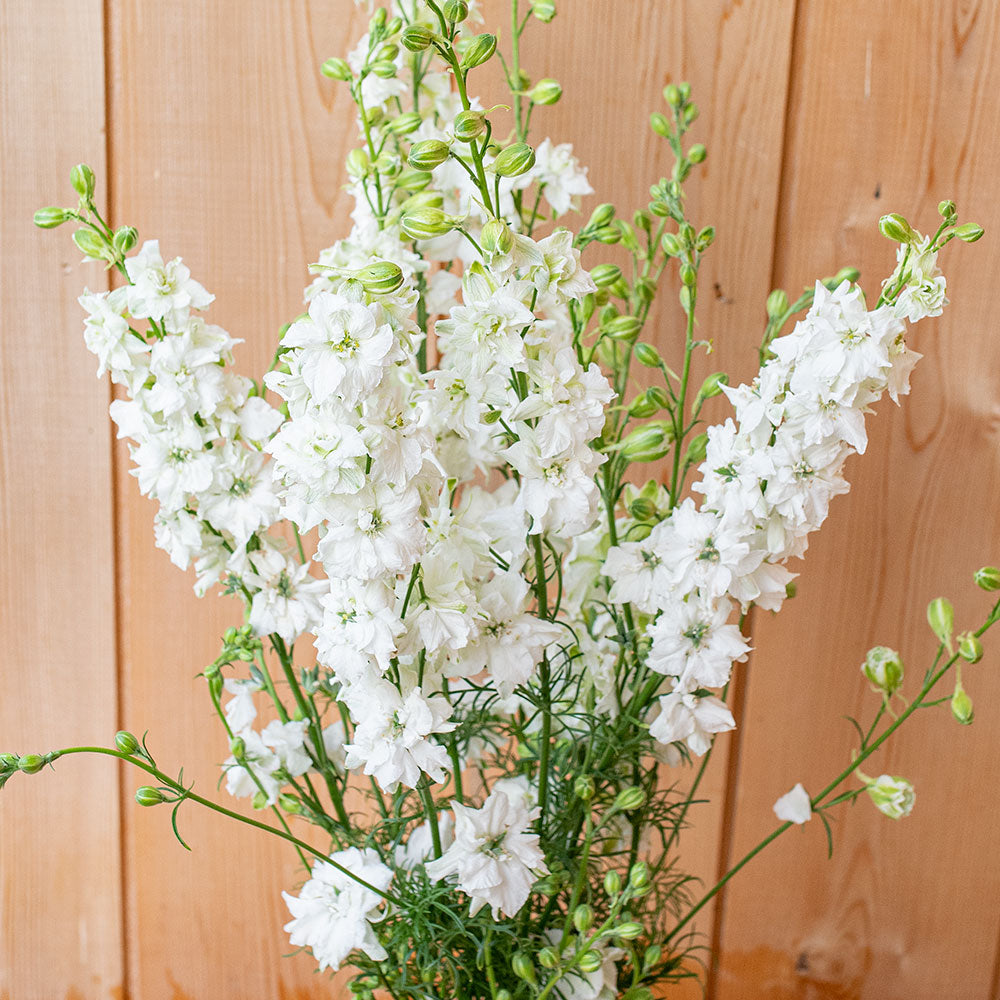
225	143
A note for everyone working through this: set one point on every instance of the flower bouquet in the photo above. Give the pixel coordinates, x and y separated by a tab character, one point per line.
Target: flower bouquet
496	566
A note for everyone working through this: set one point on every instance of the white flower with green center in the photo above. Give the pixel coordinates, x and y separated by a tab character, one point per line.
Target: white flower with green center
341	350
286	599
162	291
107	334
494	859
333	914
686	718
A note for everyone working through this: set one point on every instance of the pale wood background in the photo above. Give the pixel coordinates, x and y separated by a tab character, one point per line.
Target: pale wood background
210	127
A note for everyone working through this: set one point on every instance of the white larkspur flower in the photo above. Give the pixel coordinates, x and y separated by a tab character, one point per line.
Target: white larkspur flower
279	748
162	291
892	795
358	616
241	711
333	914
286	599
692	720
794	806
390	739
107	334
495	860
341	349
558	172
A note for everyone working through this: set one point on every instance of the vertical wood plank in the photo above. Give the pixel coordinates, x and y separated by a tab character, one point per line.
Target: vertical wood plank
891	109
60	887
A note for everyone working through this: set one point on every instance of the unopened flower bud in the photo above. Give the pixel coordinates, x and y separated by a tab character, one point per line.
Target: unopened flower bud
712	385
259	800
522	967
969	232
382	277
413	180
469	125
624	328
850	274
82	179
705	238
777	303
89	243
30	763
503	995
659	124
609	234
648	444
383	69
238	747
970	648
884	669
426	223
336	69
946	209
642	509
125	238
544	10
8	762
601	216
697	153
547	958
672	94
423	199
514	160
126	742
651	957
689	275
941	618
590	961
404	124
896	228
357	163
638	877
428	154
893	796
583	918
988	578
416	37
583	787
628	931
961	706
481	48
378	19
290	804
146	795
642	406
50	217
388	52
629	799
612	883
456	10
497	239
647	355
605	274
546	91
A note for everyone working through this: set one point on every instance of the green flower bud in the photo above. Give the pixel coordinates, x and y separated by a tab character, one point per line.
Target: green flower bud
456	10
238	748
497	239
469	125
50	217
884	669
30	763
642	406
672	95
544	10
90	243
229	636
546	91
629	799
777	304
850	274
125	238
383	69
480	49
146	795
659	124
378	19
388	52
689	276
705	238
647	444
712	385
642	509
514	160
126	742
791	589
697	153
583	918
970	648
691	113
697	450
382	277
503	995
426	223
590	961
961	706
638	877
601	216
946	209
405	123
416	37
423	199
357	163
522	967
988	578
629	931
8	762
893	796
608	234
647	355
651	957
413	180
896	228
583	787
82	179
671	245
638	993
428	154
547	958
606	274
624	328
336	69
612	883
969	232
941	618
290	804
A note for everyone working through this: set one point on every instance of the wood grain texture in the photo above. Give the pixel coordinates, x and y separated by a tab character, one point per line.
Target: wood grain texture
891	110
60	887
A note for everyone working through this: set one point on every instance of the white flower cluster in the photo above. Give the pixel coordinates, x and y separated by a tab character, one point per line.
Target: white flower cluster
767	481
